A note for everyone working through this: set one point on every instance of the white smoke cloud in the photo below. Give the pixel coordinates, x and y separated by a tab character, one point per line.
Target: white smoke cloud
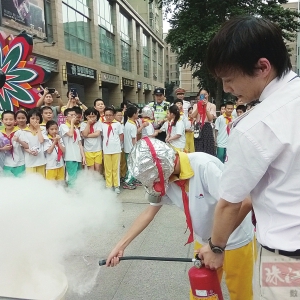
42	224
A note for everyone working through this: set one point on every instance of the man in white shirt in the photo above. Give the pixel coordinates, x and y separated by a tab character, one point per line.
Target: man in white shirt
263	151
188	180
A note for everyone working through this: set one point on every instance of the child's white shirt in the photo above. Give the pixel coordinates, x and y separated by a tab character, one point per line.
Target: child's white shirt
32	161
130	132
17	158
148	130
179	128
72	152
51	158
113	145
92	144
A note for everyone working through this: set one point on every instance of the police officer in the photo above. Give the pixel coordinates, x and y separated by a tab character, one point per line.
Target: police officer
160	107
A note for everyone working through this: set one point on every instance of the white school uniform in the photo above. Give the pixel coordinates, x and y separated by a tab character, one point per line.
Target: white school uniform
130	132
203	197
148	130
222	136
72	152
113	145
51	158
179	128
32	161
17	158
92	144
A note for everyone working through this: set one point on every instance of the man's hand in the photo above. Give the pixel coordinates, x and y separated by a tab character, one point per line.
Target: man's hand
211	260
113	258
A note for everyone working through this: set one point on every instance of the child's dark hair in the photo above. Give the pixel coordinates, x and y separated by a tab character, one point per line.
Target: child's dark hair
131	110
119	110
178	101
229	103
241	107
222	105
34	112
50	123
190	108
8	112
110	109
98	99
77	110
174	110
91	111
69	110
45	108
21	111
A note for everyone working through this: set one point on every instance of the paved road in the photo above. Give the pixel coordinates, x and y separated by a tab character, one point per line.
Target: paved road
133	280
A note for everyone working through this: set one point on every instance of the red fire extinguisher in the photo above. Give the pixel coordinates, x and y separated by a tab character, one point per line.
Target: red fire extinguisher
204	283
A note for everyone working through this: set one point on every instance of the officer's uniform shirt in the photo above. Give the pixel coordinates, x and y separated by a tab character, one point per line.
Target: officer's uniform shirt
264	160
160	110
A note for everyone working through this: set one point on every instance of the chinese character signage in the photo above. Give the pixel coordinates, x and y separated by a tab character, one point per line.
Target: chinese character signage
80	71
24	14
147	87
128	82
109	78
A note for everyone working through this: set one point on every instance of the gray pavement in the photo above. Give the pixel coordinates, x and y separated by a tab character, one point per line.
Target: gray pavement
133	280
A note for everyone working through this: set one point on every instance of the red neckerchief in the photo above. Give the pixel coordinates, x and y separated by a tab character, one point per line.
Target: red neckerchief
202	112
74	132
102	118
185	199
109	130
10	137
228	121
92	130
170	124
58	150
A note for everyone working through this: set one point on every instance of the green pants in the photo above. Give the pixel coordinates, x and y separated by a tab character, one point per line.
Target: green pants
15	171
129	179
221	154
72	168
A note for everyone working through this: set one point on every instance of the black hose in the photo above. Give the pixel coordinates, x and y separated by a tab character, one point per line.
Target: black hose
178	259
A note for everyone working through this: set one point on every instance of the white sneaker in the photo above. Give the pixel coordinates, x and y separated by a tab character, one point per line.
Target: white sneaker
117	190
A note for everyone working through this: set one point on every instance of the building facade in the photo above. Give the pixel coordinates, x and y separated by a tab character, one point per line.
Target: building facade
179	76
104	49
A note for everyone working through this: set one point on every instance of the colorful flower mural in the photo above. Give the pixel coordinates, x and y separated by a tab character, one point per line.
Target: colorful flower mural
20	75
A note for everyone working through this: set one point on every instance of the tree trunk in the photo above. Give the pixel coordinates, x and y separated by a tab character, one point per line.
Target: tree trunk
219	94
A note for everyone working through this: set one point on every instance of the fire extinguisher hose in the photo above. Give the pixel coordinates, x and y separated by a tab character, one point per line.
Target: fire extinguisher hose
102	262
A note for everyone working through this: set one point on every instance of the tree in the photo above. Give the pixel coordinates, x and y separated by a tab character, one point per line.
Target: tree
195	22
169	90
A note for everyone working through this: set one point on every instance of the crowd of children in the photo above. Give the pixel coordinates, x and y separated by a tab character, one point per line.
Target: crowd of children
98	138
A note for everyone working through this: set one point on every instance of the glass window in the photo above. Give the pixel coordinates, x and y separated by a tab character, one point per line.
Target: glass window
160	62
146	60
125	56
49	27
125	43
105	15
154	61
107	46
77	27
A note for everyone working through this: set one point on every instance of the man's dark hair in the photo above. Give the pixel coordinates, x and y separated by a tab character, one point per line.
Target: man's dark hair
229	103
241	107
242	41
131	110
